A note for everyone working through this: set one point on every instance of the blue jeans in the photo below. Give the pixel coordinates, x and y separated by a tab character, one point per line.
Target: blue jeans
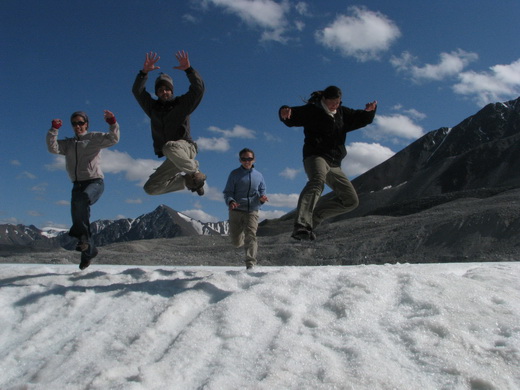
84	194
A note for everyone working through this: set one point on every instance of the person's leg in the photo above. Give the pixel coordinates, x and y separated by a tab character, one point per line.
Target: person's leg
236	228
343	200
84	194
182	154
316	169
251	242
166	178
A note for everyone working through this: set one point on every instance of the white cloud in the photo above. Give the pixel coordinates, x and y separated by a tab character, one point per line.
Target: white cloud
15	162
502	82
266	14
27	175
363	156
214	144
40	188
450	64
302	8
189	18
364	35
398	125
113	161
213	193
221	144
290	173
58	163
236	132
283	200
270	214
134	201
200	215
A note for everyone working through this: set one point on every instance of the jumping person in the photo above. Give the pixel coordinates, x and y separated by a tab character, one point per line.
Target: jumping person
82	161
170	124
325	125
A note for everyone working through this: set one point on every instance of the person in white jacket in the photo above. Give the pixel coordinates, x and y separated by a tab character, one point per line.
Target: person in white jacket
82	160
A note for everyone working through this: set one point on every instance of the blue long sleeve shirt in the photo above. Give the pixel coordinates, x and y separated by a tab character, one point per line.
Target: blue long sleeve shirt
245	186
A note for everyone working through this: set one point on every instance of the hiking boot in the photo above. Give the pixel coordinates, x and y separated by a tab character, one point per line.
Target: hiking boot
195	182
303	233
86	258
249	265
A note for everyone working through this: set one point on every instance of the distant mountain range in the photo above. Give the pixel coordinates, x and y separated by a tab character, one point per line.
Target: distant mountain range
478	158
163	222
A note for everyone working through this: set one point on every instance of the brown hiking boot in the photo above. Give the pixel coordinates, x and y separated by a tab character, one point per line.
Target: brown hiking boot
195	182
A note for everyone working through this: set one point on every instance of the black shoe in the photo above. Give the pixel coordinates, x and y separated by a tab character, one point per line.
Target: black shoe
86	258
301	234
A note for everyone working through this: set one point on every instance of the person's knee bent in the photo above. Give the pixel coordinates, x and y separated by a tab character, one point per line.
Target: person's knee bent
150	188
350	202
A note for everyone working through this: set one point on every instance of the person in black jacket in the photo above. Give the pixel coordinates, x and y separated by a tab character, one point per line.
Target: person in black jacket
325	124
170	122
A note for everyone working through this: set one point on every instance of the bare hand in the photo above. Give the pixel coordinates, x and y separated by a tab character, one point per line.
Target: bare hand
233	205
150	61
184	61
108	114
264	199
371	106
285	113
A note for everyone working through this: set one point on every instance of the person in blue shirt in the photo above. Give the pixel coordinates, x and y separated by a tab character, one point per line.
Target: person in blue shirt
245	194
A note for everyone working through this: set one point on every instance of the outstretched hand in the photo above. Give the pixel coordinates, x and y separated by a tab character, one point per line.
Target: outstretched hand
285	113
371	106
110	118
184	60
150	61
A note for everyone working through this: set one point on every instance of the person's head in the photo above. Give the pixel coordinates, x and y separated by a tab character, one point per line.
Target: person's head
331	97
79	122
247	158
164	87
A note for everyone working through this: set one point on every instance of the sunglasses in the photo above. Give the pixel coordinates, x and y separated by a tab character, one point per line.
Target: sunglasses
246	159
74	124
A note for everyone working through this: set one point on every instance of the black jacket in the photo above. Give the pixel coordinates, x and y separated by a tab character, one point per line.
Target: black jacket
170	120
325	135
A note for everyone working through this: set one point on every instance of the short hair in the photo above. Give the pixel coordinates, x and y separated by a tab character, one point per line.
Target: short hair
246	150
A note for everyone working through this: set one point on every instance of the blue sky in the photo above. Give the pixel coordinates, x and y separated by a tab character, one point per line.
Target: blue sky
429	65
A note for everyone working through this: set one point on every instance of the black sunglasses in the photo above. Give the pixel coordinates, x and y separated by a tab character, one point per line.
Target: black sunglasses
74	124
246	158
